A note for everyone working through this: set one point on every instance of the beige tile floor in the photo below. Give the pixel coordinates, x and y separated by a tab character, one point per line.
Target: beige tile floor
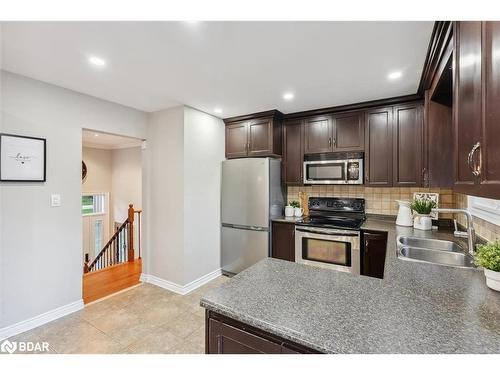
146	319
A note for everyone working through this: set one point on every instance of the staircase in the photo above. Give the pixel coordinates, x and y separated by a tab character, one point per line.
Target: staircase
120	247
115	267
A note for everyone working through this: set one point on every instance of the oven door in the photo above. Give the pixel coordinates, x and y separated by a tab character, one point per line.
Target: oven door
328	248
325	172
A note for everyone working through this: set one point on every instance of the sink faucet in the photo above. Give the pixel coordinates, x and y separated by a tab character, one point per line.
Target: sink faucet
471	233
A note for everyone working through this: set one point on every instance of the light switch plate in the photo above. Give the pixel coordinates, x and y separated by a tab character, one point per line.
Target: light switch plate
55	200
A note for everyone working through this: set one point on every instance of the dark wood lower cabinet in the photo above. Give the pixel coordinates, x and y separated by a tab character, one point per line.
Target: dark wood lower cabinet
373	250
224	335
283	241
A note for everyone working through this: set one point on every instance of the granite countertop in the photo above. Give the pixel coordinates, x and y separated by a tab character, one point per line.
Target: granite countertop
416	308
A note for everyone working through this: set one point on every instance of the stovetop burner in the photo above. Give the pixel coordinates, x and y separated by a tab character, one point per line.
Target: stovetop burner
339	213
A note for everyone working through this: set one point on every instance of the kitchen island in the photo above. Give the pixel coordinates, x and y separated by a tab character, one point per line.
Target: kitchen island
415	308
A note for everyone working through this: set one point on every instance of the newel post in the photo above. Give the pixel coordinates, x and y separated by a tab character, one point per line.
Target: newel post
130	254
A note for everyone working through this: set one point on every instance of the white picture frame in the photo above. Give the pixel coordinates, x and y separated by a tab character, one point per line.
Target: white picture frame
22	158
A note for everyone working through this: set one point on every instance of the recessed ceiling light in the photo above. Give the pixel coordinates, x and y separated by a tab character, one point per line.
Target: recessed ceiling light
395	75
96	135
97	61
217	110
288	96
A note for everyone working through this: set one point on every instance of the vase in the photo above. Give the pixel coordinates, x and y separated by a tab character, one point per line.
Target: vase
422	222
492	279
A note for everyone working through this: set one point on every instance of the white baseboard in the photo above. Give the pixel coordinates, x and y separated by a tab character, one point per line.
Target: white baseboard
181	289
39	320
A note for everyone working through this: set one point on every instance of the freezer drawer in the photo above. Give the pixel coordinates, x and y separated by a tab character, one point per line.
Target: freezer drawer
242	248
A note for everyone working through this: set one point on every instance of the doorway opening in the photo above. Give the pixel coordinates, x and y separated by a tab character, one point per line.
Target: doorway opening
111	209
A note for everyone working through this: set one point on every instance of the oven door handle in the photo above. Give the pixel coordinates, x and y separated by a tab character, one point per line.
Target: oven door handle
331	233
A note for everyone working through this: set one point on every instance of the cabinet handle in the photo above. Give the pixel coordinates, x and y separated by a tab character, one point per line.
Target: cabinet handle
470	160
424	176
334	142
330	142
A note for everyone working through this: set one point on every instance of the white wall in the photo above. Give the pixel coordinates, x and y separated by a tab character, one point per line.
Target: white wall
203	153
185	148
126	186
98	163
164	208
41	261
126	181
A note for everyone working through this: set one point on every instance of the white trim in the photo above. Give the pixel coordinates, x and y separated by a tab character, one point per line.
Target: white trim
41	319
180	289
132	144
483	210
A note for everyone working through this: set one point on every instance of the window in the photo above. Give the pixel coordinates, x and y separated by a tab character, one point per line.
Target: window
485	208
93	204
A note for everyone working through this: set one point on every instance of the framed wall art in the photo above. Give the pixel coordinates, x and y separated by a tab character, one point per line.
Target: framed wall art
22	158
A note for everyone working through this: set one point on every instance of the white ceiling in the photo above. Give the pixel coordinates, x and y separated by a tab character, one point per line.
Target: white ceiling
241	67
106	141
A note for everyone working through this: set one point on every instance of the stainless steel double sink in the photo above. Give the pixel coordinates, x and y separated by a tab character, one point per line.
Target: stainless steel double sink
433	251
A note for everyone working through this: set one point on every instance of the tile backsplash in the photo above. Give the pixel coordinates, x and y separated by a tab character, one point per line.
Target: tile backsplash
378	200
484	229
383	201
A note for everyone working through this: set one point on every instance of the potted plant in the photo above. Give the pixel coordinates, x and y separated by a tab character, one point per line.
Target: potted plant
422	209
289	210
296	208
488	257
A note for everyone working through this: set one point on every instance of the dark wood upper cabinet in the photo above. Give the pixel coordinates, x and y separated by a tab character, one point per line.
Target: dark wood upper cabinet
467	101
318	135
283	241
251	137
476	110
236	140
490	148
378	147
407	145
438	144
293	153
260	137
348	132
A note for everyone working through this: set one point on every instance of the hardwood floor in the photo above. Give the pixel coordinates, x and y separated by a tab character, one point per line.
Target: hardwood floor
102	283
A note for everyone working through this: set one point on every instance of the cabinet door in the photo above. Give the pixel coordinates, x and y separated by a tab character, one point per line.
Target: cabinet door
467	102
318	135
283	241
348	132
489	152
226	339
378	144
236	140
407	146
293	154
260	137
373	251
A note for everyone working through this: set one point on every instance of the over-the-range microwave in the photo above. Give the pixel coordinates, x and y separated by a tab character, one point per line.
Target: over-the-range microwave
334	169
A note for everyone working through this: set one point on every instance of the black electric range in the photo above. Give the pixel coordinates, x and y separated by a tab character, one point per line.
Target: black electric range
338	213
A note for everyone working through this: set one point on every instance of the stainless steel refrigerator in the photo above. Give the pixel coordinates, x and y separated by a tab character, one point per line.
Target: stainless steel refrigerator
251	197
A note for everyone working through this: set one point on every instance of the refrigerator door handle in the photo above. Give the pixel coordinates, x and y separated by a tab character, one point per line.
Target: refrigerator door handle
246	227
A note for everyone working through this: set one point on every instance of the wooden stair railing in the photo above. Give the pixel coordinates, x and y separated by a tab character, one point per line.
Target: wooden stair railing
120	247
